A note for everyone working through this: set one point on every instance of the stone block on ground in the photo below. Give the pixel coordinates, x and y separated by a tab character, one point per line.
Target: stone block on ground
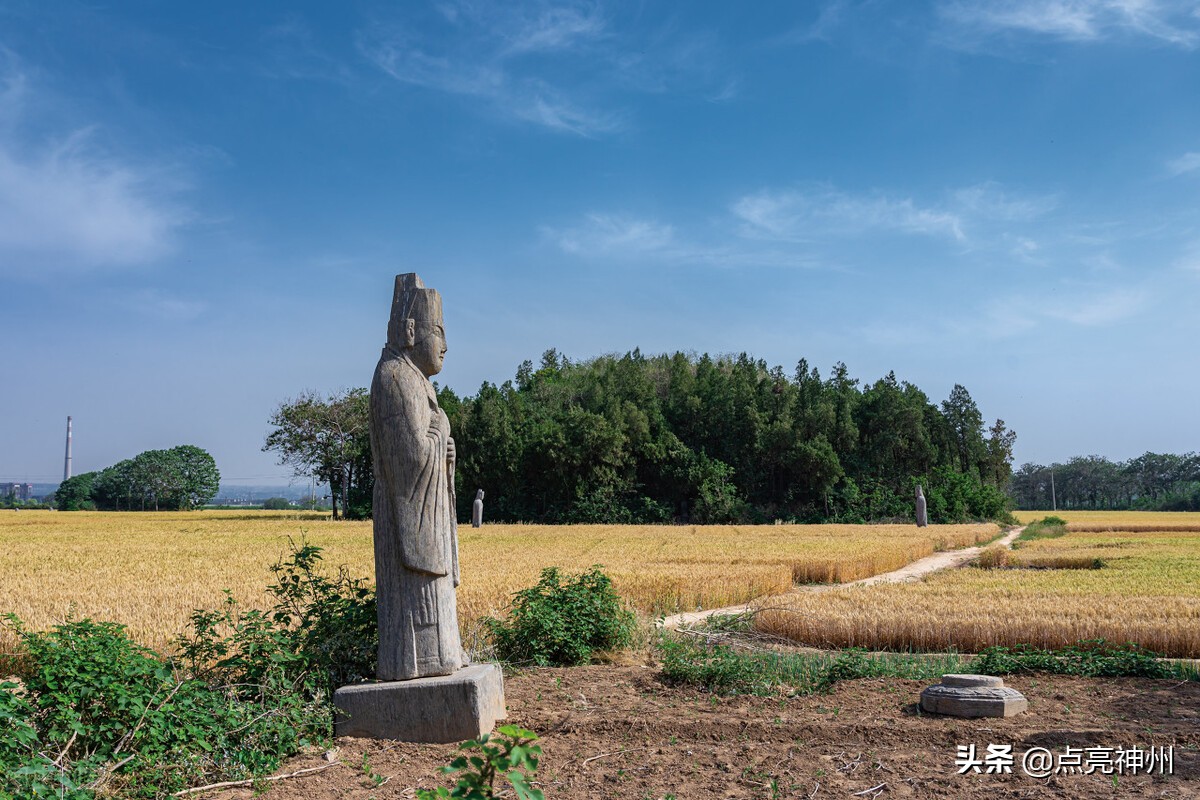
973	696
441	708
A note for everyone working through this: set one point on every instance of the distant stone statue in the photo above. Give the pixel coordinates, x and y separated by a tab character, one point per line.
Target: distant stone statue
416	534
922	516
477	510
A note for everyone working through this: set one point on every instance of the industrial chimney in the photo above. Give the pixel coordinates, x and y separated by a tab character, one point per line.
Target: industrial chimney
67	460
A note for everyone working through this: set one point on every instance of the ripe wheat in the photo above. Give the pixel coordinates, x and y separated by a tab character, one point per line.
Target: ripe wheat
150	570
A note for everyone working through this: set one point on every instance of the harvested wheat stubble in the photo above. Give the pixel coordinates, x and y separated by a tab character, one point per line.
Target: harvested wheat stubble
150	570
1148	592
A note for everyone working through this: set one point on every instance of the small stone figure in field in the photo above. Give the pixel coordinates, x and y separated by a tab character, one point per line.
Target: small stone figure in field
477	510
922	515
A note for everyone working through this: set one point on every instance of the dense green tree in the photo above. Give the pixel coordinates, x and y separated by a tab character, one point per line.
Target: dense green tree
179	479
75	493
636	438
1151	481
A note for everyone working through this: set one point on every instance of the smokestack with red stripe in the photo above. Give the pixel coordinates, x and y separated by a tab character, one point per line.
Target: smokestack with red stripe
67	460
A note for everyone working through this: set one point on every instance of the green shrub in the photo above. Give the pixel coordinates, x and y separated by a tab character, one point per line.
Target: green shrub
509	752
97	710
1046	528
562	620
321	632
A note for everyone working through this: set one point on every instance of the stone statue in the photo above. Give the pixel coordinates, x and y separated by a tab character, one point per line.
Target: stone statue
922	516
416	534
477	510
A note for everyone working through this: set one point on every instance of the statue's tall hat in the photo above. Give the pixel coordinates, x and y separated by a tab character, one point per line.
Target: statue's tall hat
412	300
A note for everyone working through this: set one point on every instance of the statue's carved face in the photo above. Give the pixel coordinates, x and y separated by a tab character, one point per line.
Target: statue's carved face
428	348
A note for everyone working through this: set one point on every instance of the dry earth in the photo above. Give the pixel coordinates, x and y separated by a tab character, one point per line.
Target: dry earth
620	732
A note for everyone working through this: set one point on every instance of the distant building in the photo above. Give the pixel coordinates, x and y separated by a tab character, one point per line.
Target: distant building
17	491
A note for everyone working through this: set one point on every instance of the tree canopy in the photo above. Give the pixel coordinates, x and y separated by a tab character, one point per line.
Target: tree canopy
179	479
683	438
1152	482
328	438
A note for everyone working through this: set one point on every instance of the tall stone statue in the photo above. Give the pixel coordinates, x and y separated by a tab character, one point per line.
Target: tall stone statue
922	515
477	510
416	534
424	689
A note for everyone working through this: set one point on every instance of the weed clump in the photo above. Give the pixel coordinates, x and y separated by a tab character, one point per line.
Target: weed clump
93	712
562	620
1090	658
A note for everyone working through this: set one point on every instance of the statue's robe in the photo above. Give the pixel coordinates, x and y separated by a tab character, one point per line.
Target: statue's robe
416	537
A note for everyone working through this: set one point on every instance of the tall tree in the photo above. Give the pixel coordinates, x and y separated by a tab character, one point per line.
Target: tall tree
328	438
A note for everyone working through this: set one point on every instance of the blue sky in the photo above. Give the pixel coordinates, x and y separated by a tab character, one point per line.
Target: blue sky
202	206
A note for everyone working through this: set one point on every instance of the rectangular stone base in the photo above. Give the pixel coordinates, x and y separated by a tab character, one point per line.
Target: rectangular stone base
444	708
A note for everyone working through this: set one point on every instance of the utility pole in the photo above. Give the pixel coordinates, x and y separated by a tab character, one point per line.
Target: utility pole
67	459
1053	498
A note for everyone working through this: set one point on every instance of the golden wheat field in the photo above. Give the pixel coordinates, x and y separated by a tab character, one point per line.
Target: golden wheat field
150	570
1147	591
1119	520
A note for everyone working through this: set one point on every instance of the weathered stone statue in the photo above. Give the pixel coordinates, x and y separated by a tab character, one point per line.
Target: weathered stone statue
416	536
425	691
477	510
922	515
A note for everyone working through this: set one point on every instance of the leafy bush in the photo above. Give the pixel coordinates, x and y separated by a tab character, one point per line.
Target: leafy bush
509	752
562	620
95	709
321	632
96	712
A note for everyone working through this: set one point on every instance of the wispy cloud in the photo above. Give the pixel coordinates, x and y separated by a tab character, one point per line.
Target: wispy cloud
1188	162
74	207
555	66
72	204
607	233
1172	22
625	238
803	214
1101	308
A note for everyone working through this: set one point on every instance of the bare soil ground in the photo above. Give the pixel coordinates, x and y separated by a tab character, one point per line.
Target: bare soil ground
620	732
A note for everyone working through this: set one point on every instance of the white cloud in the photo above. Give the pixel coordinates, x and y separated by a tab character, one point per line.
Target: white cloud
73	206
1173	22
1188	162
799	215
555	29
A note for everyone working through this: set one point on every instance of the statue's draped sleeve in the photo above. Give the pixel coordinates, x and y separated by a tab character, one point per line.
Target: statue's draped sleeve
411	454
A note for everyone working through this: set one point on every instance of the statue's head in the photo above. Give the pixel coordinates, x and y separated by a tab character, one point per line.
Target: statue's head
416	326
479	494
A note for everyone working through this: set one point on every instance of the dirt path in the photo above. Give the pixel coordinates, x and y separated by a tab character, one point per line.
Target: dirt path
948	559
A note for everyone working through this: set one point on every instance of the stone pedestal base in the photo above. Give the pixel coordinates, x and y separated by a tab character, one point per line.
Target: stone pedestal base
973	696
445	708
